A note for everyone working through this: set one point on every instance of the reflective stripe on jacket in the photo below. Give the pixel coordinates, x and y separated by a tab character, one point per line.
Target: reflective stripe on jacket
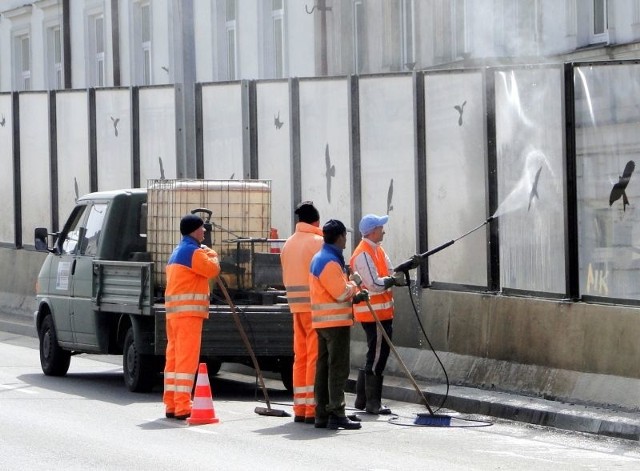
331	290
188	271
295	257
381	301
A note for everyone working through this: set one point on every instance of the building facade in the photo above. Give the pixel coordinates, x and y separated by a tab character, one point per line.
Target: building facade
55	44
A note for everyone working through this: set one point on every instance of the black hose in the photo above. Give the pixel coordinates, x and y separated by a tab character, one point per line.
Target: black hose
444	370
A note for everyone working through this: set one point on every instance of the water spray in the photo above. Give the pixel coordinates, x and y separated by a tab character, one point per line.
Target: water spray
411	263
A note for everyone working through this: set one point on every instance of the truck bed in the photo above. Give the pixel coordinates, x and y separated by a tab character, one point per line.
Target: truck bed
269	329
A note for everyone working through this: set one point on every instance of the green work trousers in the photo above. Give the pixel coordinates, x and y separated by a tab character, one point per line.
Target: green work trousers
332	371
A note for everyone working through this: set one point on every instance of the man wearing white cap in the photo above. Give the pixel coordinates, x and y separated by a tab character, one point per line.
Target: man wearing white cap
372	263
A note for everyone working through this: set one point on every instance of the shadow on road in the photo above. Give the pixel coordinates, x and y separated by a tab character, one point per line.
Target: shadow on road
108	386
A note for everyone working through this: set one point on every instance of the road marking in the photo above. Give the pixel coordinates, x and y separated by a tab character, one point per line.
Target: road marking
18	387
203	430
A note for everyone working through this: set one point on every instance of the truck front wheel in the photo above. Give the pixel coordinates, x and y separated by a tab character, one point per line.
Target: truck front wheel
139	370
53	359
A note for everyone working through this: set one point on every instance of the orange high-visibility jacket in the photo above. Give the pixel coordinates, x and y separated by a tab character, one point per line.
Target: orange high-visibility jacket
188	271
295	257
331	290
382	301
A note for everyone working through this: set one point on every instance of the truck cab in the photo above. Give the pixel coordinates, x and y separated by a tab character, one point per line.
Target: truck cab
104	226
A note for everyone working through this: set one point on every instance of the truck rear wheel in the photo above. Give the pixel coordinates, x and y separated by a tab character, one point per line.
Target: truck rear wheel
213	366
53	359
286	373
139	370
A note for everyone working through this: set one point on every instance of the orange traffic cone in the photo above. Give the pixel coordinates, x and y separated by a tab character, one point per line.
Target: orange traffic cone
202	409
275	246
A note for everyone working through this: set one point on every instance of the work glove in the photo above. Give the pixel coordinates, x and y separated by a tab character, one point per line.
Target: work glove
388	281
416	260
400	279
363	295
356	278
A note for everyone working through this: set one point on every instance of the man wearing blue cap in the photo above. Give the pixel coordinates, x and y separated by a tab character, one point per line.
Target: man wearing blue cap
372	263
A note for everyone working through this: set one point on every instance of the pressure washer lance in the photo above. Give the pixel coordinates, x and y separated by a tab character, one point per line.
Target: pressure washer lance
432	419
411	263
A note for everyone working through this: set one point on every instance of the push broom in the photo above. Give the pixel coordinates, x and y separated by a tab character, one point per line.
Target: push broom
258	410
236	317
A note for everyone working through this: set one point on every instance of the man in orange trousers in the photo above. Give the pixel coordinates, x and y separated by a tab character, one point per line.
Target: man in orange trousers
189	269
296	257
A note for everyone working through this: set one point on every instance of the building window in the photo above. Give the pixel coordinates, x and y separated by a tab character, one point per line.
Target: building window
23	62
97	74
145	42
230	26
54	54
459	33
277	16
600	22
570	16
408	34
521	25
359	37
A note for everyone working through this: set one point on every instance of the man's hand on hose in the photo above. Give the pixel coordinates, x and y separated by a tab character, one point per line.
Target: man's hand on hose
400	278
389	281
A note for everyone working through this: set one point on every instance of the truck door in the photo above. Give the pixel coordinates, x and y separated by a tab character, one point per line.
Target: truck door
84	325
62	266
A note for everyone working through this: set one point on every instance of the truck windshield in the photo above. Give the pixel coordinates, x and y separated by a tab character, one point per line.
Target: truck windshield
94	226
69	237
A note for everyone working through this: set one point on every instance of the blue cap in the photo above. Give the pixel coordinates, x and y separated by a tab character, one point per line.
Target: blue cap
369	222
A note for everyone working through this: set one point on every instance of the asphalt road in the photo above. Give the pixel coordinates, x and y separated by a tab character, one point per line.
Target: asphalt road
88	420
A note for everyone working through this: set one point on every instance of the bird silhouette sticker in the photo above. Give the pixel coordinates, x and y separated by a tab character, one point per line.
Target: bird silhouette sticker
390	197
161	168
534	188
232	176
3	121
330	171
460	110
276	121
115	122
75	188
619	188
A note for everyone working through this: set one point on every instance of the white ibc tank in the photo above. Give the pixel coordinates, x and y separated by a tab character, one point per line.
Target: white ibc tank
240	209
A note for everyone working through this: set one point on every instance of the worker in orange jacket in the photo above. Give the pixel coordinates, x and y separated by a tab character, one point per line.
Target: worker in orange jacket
371	262
332	316
296	257
189	269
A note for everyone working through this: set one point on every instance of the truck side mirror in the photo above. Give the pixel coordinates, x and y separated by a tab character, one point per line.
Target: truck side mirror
41	241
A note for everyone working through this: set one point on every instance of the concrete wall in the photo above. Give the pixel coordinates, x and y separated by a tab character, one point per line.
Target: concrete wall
18	278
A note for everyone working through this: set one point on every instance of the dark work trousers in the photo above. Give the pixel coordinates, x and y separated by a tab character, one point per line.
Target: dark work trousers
332	371
377	347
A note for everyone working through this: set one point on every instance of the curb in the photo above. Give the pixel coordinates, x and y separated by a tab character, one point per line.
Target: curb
17	324
465	400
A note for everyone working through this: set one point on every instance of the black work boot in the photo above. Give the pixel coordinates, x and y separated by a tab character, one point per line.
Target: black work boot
373	388
336	422
361	397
